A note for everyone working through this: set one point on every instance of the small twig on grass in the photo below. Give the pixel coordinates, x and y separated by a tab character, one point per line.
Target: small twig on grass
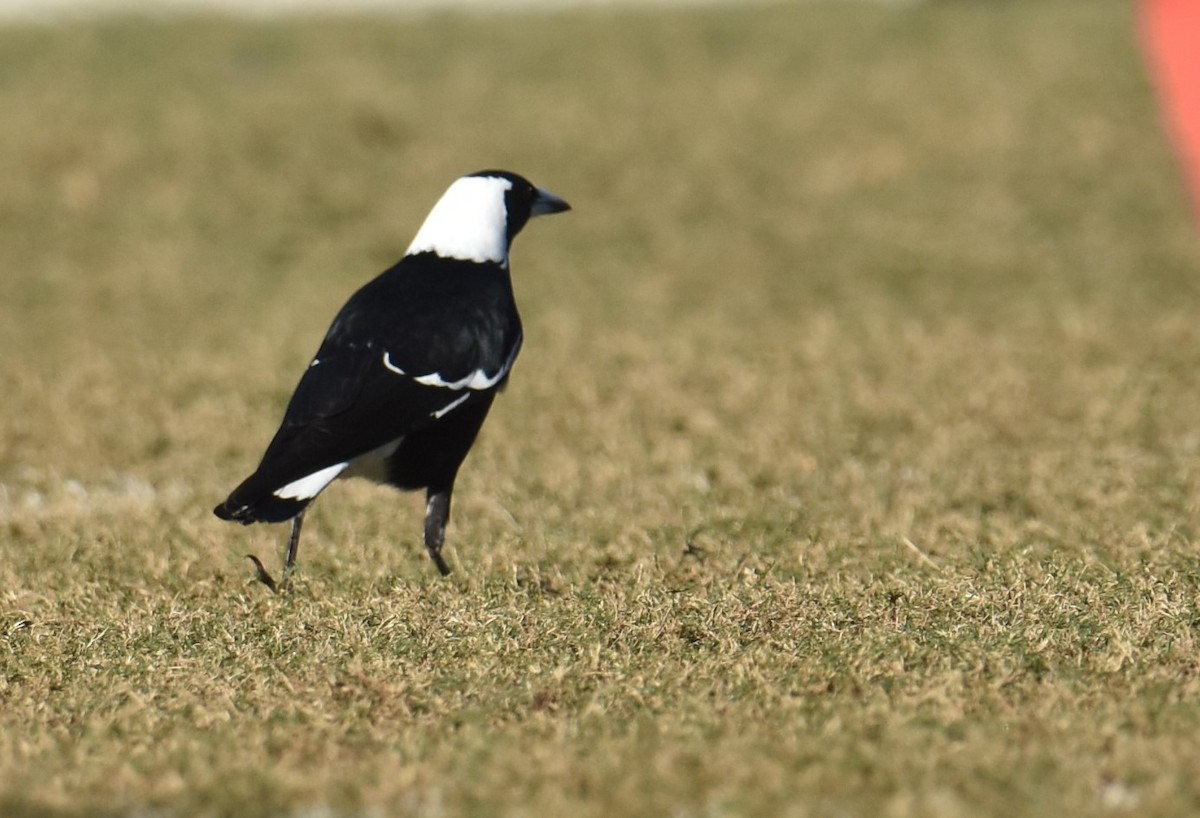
263	576
921	555
690	547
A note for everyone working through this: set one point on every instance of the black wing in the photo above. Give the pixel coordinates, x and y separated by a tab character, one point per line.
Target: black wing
420	341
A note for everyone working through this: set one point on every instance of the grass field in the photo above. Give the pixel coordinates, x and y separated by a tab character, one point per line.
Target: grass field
851	466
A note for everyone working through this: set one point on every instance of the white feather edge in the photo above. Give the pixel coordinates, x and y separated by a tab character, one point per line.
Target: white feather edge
476	381
449	407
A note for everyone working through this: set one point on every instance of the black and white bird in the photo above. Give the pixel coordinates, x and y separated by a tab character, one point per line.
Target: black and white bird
408	370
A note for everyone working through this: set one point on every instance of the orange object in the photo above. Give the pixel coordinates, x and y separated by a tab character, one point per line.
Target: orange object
1170	34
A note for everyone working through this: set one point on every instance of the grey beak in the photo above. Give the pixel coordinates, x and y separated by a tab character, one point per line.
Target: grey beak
545	203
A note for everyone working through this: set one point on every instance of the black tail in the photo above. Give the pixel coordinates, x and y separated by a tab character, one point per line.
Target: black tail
250	503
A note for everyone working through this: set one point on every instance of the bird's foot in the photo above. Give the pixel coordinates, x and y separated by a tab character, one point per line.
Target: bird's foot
265	577
436	556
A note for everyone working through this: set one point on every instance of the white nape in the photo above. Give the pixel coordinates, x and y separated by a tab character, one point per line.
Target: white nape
469	222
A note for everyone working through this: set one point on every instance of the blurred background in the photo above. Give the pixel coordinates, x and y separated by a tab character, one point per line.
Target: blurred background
873	326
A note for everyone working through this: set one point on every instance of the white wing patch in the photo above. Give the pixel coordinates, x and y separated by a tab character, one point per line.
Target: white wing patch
449	407
373	464
309	487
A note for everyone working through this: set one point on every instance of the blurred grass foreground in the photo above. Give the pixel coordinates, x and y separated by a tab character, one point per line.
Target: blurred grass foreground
850	466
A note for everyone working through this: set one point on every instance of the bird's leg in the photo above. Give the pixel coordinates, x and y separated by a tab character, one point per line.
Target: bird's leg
437	512
289	561
288	564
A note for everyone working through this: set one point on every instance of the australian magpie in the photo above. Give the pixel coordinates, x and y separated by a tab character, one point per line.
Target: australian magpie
408	370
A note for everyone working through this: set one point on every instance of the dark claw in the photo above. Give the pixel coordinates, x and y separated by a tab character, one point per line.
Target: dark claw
442	567
263	576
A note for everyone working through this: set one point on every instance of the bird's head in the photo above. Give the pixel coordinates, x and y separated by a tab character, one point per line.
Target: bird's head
479	215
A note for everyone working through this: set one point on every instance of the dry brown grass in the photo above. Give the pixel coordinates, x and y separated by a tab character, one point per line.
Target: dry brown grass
850	467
